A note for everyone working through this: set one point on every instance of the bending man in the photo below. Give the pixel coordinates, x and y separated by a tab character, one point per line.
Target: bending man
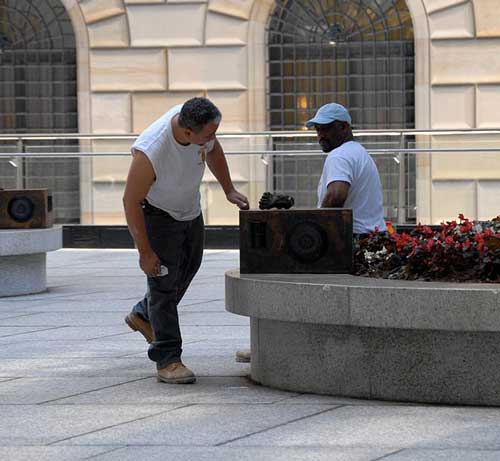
162	207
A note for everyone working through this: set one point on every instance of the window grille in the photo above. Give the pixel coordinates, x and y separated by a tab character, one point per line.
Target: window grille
359	53
38	94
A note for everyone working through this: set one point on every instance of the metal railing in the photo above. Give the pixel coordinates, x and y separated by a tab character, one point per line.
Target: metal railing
272	147
402	137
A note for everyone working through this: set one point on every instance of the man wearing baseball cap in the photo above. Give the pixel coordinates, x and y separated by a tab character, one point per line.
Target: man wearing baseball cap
350	177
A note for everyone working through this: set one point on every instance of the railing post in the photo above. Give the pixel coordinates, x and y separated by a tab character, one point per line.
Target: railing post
402	181
20	182
270	166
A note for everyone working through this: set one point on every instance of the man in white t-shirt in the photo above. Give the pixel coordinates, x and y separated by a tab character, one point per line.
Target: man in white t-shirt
162	207
350	177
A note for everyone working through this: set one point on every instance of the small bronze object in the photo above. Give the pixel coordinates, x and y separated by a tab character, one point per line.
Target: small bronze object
268	201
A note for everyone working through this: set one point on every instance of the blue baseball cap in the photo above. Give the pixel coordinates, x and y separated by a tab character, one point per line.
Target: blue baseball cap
329	113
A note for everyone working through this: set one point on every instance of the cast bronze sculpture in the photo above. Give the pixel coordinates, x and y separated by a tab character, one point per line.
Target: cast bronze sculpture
279	201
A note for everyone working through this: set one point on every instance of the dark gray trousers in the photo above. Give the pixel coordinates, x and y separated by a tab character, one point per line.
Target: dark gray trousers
179	245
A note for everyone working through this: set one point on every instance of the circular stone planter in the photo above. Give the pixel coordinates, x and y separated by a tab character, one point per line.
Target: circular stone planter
23	259
372	338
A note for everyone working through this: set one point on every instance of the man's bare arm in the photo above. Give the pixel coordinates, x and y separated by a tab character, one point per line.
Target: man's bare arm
140	178
336	194
216	161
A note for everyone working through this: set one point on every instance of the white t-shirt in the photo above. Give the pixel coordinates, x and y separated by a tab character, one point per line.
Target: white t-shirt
179	169
351	163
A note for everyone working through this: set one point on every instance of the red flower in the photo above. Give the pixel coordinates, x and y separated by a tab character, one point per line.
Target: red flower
427	230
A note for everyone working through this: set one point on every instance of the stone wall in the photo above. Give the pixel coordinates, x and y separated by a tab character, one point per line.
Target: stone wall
138	57
465	93
143	57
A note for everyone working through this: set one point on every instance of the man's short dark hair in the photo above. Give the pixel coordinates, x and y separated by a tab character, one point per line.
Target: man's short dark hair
198	112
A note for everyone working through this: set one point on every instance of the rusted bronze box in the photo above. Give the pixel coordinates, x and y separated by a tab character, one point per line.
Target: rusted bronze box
25	209
296	241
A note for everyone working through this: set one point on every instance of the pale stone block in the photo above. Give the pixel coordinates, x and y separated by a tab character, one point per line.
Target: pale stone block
456	22
257	82
70	4
108	204
487	18
128	70
476	165
487	199
453	107
450	198
465	61
460	165
84	117
261	11
111	113
95	10
109	175
167	25
120	146
148	107
488	102
234	108
112	32
239	8
211	68
136	2
216	209
85	183
423	182
110	170
435	5
225	30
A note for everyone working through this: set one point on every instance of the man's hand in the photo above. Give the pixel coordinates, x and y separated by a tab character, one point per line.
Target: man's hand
238	199
150	263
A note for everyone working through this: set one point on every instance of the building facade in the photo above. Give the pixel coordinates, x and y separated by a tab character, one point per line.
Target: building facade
135	58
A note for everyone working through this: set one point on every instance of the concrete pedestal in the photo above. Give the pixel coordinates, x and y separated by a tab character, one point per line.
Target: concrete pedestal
23	259
370	338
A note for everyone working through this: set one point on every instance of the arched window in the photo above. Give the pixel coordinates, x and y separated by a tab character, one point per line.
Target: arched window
359	53
38	94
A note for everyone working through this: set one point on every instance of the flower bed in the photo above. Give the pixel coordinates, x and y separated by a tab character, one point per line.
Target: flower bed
461	251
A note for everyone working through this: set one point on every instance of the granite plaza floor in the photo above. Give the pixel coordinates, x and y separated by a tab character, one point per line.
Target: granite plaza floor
75	383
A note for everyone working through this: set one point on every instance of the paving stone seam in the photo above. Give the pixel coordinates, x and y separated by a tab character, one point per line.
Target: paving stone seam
105	452
111	336
106	355
8	380
461	448
26	314
118	425
42	298
373	403
46	402
387	455
59	326
201	302
196	403
29	332
220	444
